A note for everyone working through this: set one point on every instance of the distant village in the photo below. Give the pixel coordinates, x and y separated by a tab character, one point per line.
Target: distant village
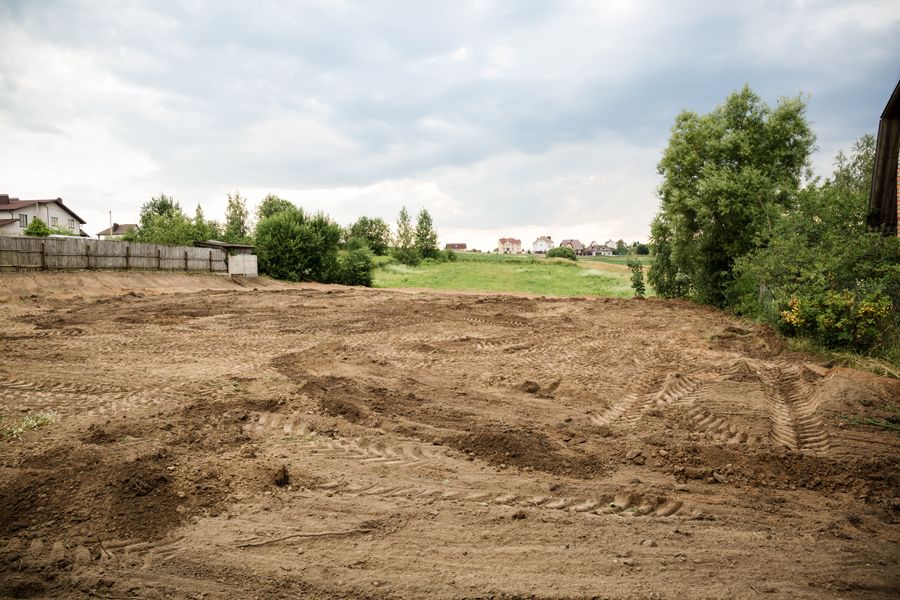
508	245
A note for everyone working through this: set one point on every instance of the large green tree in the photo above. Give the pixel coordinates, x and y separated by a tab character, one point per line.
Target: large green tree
727	176
204	229
374	231
295	246
162	206
272	205
404	240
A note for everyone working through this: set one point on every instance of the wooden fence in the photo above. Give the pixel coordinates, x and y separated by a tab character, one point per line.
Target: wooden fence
29	253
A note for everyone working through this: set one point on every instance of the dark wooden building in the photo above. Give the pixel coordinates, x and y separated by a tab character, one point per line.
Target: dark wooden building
883	197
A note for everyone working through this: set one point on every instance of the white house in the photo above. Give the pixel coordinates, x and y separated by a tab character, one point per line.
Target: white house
15	215
542	244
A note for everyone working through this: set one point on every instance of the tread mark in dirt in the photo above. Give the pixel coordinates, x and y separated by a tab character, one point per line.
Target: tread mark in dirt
721	429
795	423
623	504
633	404
408	455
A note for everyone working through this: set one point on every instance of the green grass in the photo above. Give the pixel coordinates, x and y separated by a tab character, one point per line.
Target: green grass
500	273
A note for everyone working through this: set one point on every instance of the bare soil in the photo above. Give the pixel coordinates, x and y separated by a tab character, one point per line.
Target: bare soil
258	440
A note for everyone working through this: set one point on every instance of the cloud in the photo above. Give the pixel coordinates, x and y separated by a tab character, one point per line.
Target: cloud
497	117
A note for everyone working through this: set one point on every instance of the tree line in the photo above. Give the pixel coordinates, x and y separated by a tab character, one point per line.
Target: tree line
744	225
291	243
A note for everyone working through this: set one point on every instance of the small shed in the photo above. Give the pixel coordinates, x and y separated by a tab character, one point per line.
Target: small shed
239	257
883	196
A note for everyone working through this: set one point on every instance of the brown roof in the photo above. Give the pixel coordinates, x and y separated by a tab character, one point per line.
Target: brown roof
510	240
883	193
7	203
7	221
118	229
575	244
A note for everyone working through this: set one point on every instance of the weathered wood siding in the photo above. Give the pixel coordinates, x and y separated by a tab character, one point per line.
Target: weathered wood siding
26	253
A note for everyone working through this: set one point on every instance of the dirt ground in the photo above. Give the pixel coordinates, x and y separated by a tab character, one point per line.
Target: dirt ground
260	440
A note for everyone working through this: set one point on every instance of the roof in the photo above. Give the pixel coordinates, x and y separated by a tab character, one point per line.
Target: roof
546	238
576	244
510	240
7	203
222	245
118	229
883	193
892	109
7	221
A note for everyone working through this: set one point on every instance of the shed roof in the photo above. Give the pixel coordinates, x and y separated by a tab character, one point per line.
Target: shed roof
883	193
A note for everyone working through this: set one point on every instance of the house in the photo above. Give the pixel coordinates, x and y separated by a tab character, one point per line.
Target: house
884	195
596	249
458	247
542	244
117	231
15	215
509	246
575	245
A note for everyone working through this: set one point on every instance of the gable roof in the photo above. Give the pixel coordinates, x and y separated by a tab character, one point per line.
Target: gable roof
7	203
118	229
575	244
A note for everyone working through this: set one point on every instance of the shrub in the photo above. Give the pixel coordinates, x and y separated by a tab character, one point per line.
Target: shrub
450	255
355	267
838	319
637	277
407	256
292	246
37	228
561	252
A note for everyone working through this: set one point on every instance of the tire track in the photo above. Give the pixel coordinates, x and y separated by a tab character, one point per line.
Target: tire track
795	422
267	425
621	504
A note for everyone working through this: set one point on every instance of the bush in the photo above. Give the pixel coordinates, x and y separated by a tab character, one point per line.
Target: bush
295	247
37	228
450	255
637	277
407	256
838	319
561	252
355	267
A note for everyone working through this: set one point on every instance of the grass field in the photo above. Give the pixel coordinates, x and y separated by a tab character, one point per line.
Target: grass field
599	276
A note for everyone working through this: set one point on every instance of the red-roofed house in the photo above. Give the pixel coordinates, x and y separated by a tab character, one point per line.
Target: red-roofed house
15	215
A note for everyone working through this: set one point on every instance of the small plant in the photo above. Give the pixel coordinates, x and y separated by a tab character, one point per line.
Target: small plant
637	277
15	429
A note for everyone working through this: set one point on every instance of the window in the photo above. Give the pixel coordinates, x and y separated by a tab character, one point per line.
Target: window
23	220
72	224
54	221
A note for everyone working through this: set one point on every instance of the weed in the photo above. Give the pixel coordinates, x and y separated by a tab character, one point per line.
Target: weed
15	429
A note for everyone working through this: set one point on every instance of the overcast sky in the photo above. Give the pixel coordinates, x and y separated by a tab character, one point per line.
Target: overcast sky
502	118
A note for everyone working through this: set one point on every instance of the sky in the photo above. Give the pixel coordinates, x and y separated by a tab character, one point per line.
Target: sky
512	119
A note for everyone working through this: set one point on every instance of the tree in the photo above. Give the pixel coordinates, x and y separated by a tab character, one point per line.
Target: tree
169	230
621	248
204	229
161	205
37	228
237	228
272	205
293	246
727	175
404	250
426	236
375	231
